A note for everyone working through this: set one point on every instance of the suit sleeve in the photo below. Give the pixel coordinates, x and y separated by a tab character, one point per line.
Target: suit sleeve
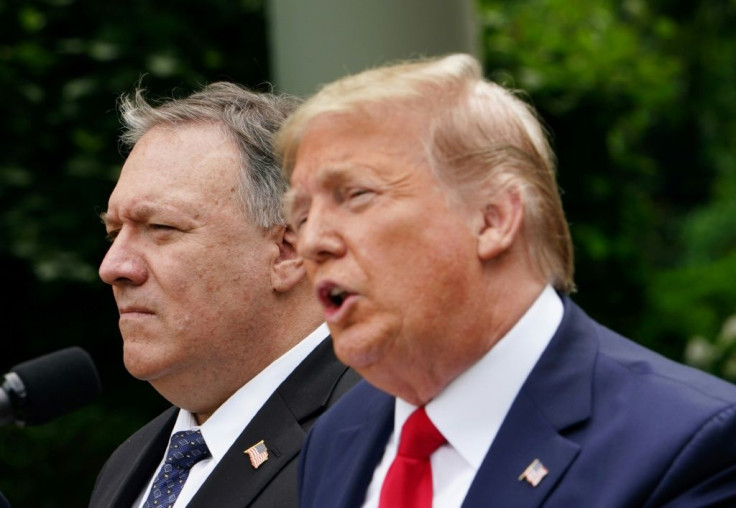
703	474
304	491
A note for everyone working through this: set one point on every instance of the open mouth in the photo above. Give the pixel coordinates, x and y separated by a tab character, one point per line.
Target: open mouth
332	296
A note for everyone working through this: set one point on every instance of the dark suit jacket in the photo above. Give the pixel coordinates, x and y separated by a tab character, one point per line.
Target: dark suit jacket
282	422
616	425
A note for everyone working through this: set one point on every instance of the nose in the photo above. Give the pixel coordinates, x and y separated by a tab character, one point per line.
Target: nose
123	264
319	239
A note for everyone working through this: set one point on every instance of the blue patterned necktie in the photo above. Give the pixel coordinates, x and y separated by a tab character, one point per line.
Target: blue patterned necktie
186	449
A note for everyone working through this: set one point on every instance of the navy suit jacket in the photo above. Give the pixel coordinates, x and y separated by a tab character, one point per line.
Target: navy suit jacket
282	423
615	424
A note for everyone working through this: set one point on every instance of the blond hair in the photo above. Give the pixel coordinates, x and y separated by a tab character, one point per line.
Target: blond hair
477	134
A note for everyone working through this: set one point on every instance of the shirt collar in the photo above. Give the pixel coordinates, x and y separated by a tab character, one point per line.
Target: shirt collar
225	425
471	409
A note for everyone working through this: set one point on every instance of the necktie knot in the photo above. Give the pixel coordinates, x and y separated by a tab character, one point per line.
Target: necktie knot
419	437
408	483
186	448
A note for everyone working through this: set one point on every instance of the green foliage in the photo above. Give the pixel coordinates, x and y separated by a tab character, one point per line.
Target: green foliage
63	63
639	96
717	355
62	69
640	100
694	299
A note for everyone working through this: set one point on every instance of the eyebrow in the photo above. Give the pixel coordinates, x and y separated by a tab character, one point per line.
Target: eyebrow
329	176
292	199
335	175
138	213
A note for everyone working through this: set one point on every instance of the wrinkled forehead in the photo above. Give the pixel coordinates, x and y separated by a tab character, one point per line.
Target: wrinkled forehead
333	144
341	151
351	114
194	165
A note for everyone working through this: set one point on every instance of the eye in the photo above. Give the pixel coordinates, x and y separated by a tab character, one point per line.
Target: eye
357	197
162	231
297	217
356	193
162	227
299	222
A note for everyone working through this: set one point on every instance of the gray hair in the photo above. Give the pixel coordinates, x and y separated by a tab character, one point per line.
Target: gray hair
248	118
477	136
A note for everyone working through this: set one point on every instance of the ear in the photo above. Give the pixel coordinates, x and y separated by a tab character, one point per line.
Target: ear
287	269
502	217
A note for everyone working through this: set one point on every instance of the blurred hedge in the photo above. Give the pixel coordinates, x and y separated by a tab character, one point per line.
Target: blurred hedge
639	97
63	63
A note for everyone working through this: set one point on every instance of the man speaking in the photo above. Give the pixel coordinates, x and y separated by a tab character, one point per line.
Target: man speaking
426	208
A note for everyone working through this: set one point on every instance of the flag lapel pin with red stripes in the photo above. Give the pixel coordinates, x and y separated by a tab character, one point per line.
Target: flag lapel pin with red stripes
258	454
534	473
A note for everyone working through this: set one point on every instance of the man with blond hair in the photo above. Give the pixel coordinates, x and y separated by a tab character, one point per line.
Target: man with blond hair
428	215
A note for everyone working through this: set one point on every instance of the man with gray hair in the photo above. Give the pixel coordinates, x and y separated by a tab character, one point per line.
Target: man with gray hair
215	310
430	223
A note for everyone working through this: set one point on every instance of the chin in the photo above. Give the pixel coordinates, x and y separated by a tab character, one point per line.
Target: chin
140	370
360	349
141	364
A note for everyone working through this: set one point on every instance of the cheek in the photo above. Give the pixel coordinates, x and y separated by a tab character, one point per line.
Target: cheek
194	284
233	282
369	339
215	267
311	268
425	272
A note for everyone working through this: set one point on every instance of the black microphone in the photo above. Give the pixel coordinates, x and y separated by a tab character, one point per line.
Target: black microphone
41	389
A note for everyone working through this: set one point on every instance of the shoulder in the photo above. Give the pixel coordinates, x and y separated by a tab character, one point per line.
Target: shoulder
363	402
621	364
662	429
316	384
681	421
343	447
624	392
143	437
138	452
661	382
360	410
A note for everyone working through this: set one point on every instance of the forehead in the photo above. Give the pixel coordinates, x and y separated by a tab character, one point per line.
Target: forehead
195	162
336	148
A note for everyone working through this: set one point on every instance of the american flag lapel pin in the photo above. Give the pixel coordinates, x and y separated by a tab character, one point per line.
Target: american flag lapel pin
258	454
534	473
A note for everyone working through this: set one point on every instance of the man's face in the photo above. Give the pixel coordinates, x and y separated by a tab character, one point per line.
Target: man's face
392	258
188	269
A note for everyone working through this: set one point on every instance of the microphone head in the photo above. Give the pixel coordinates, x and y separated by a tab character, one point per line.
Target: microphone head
56	384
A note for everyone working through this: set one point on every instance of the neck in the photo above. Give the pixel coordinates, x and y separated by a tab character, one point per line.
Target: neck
420	379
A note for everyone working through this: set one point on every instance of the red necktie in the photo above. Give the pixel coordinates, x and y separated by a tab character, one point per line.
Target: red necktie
408	483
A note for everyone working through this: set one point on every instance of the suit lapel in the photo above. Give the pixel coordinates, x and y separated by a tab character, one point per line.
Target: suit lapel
556	396
352	472
359	450
524	437
235	482
281	423
147	446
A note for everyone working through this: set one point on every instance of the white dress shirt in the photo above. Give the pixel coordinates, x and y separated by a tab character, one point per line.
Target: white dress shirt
470	410
227	423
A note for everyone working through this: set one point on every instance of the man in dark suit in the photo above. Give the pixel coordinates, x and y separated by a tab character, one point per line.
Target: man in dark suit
215	310
427	213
